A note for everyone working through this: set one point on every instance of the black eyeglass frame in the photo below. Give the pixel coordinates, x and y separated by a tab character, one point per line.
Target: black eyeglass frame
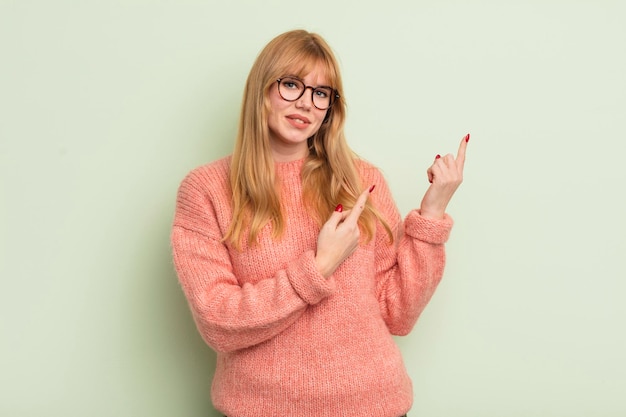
333	97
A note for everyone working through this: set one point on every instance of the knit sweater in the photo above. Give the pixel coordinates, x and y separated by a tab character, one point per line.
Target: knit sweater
289	341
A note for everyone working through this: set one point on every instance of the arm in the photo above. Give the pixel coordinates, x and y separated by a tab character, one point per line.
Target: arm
230	316
408	271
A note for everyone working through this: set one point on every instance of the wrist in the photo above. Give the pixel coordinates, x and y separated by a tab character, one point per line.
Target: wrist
322	267
432	214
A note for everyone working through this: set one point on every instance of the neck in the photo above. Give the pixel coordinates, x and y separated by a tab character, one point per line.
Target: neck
289	153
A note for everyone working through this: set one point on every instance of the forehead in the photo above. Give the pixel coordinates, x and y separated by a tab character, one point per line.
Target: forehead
313	73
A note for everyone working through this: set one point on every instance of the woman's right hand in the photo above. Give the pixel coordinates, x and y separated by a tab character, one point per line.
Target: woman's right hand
339	236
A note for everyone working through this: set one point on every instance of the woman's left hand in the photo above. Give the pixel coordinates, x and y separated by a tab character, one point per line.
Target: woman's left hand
445	176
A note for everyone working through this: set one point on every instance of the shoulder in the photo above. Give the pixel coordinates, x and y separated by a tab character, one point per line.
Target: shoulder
211	172
370	174
381	197
208	179
203	199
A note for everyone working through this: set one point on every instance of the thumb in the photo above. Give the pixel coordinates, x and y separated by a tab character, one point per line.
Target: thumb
337	216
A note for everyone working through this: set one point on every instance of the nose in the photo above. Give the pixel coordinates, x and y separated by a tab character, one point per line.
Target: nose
306	100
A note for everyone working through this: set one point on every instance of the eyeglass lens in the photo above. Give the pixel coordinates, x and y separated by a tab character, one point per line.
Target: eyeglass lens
292	89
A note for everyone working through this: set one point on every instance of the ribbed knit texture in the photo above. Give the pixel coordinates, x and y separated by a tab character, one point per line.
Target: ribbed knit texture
290	342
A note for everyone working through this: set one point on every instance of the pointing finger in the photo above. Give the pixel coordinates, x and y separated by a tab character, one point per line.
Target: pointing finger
460	157
359	206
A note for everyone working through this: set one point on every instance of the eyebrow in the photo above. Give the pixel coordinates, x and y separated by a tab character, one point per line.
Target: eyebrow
300	79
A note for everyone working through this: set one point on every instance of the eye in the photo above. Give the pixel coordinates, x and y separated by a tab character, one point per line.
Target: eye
291	84
322	92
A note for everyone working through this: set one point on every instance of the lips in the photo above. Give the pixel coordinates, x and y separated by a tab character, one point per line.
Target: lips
298	121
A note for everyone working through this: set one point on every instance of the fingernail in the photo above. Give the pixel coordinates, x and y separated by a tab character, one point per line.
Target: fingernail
372	188
339	208
467	138
438	156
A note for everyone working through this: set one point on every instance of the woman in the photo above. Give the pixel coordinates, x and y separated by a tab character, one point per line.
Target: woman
294	258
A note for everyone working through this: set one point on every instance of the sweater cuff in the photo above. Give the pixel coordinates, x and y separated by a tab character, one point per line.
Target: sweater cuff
307	281
434	231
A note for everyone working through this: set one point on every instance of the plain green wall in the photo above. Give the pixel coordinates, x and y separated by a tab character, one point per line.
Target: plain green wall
106	105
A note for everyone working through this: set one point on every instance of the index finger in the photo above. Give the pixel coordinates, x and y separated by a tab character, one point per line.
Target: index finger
460	157
359	206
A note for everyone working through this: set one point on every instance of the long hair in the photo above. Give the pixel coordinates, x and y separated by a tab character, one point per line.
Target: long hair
329	175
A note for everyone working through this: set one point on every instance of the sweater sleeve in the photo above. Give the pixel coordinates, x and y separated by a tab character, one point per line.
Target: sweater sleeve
408	271
230	315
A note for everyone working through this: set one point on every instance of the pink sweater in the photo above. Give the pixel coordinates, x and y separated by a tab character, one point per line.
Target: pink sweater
290	342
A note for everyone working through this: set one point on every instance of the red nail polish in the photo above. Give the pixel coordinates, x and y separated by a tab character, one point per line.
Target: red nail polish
438	156
467	138
339	208
372	188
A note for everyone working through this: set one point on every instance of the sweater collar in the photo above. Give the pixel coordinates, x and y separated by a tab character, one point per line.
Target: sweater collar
289	168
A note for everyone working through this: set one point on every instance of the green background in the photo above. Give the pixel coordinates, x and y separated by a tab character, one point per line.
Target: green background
106	105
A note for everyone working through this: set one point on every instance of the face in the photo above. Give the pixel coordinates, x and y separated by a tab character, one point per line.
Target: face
291	123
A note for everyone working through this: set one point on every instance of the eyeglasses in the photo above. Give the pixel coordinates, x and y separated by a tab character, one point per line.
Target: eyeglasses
291	89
